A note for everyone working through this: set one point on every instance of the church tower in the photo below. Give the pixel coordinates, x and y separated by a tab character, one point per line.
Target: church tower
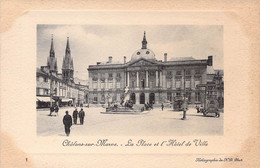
51	60
67	65
144	42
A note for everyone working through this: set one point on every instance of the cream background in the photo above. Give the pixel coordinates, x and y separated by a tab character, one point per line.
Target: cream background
18	117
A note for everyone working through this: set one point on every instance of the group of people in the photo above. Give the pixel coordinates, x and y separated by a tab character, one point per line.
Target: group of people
80	114
148	106
67	119
54	108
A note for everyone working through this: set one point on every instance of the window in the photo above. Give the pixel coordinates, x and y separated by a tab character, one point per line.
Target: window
197	96
197	71
142	83
187	83
178	82
102	101
178	73
95	85
187	72
45	79
197	81
151	84
37	91
110	85
133	84
118	85
169	83
110	76
178	94
46	91
95	78
118	97
102	85
95	99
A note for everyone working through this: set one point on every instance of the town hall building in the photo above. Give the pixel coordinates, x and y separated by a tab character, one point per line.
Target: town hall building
149	80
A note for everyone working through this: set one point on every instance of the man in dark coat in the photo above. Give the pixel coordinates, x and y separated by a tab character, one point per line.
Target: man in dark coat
81	116
67	121
51	110
75	115
57	110
162	106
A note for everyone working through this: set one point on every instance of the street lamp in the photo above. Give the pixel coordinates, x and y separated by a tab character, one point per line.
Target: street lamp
184	98
51	108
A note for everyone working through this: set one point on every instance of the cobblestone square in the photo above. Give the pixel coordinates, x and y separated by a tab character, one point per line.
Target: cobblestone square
151	123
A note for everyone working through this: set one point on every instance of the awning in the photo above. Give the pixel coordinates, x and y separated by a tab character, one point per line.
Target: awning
44	99
66	99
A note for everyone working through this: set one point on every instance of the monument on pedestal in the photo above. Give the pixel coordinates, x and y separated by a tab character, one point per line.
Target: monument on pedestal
125	106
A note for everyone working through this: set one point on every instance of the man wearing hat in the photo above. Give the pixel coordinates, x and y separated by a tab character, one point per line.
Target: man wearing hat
75	115
67	121
81	116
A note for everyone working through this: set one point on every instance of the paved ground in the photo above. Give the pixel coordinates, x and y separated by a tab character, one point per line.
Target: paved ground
152	123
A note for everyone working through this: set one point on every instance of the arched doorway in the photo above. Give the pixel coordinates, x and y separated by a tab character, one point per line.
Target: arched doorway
151	98
142	98
132	97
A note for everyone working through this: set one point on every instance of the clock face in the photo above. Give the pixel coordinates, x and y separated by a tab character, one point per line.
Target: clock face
138	53
147	52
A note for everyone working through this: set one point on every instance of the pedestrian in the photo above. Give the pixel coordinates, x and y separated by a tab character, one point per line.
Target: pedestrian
201	109
75	115
81	116
51	110
217	113
57	110
185	107
67	121
197	108
162	106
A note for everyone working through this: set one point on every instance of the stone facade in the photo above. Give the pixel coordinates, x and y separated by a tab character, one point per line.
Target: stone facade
148	79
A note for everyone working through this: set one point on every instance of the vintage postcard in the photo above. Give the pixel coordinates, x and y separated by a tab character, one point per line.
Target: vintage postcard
128	88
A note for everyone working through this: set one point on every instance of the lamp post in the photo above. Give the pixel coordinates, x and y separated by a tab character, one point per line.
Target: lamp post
51	108
78	94
184	98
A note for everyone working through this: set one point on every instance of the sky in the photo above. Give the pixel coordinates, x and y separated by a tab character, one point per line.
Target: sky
95	43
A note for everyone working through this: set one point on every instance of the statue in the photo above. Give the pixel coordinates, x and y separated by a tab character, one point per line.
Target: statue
126	104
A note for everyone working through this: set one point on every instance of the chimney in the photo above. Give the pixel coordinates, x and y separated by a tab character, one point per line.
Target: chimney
210	60
110	59
124	59
98	63
165	57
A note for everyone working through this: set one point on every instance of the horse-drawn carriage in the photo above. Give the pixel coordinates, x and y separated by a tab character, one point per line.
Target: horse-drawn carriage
211	107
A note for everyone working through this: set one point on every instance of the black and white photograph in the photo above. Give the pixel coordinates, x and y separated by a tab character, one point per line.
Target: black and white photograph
129	80
145	85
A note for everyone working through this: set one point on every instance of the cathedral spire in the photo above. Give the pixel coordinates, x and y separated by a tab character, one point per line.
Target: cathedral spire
67	65
52	53
144	42
68	46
